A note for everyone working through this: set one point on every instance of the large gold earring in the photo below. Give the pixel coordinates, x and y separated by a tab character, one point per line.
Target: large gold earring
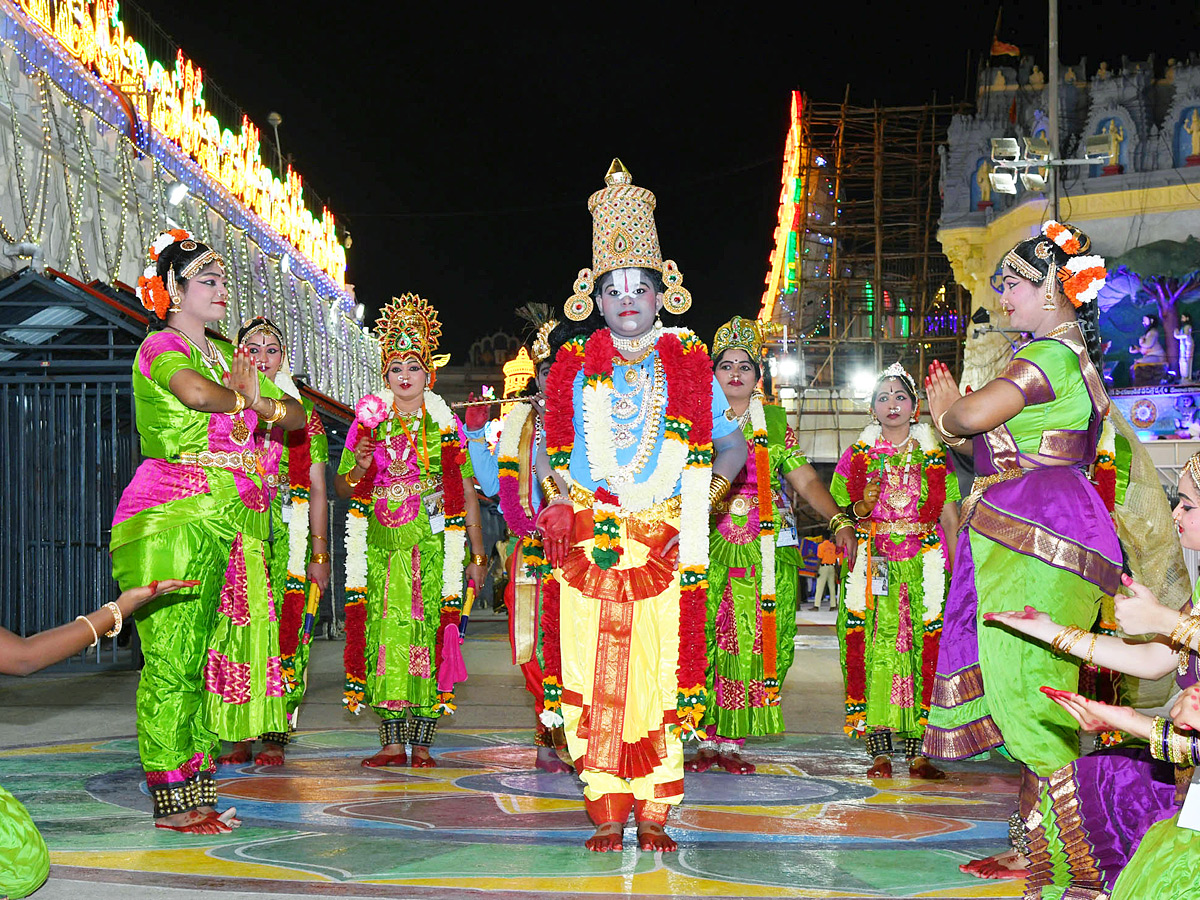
1049	304
173	291
580	305
676	299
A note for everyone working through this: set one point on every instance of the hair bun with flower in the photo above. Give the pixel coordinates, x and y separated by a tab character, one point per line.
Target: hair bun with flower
165	239
1068	238
153	293
1082	277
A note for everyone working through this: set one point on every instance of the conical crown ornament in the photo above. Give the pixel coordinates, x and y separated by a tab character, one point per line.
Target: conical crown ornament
624	236
408	327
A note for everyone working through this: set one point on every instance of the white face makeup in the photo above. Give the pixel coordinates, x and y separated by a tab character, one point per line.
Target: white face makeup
628	302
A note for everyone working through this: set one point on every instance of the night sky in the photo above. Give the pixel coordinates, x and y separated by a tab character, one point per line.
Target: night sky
461	142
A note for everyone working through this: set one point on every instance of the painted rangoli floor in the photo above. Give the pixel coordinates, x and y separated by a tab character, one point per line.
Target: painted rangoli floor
807	825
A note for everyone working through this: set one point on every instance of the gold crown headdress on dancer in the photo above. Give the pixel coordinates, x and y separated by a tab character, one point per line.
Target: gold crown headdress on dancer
408	327
624	236
740	333
541	341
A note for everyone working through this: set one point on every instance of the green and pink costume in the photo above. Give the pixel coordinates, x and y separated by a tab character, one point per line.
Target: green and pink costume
195	509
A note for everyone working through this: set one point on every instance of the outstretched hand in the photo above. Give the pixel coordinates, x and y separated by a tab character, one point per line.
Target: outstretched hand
137	597
1030	621
1185	713
556	522
1092	715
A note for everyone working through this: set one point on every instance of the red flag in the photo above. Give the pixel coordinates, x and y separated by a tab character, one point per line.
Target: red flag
999	48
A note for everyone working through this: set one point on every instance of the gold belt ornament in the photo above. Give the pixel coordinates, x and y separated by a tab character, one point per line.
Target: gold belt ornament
978	489
245	460
738	506
398	491
666	510
902	527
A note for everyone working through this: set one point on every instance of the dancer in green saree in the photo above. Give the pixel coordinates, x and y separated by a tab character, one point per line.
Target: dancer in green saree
195	501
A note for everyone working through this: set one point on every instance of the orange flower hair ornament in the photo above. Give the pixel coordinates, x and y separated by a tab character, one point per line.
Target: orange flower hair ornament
1082	277
151	290
1063	236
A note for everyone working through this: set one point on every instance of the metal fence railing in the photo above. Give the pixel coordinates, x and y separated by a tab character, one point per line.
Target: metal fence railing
67	450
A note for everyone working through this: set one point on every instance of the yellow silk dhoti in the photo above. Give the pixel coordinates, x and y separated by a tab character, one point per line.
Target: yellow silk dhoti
619	637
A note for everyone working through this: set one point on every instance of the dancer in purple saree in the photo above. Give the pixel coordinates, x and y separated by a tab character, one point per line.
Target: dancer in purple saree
1102	808
1033	529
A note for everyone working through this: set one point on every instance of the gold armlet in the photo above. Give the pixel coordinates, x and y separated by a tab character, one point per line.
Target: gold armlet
718	488
319	558
550	488
278	412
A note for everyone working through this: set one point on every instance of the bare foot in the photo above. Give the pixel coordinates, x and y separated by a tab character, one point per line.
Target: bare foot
735	765
701	762
606	838
421	758
270	755
651	837
921	767
229	817
881	768
194	822
237	756
1006	865
388	755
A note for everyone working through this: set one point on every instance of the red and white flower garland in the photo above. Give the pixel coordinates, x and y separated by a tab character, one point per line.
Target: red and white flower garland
685	455
368	411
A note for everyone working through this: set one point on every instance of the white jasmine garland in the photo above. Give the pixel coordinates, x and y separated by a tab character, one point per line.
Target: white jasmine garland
511	428
766	536
598	430
857	583
933	572
298	538
693	521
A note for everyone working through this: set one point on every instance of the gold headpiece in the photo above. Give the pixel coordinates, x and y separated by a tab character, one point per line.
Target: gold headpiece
260	325
408	327
624	236
541	342
739	334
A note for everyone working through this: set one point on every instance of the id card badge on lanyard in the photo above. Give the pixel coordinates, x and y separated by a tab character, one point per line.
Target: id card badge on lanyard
879	577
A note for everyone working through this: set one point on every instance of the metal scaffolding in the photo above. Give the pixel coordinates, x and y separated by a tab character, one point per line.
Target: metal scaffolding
857	277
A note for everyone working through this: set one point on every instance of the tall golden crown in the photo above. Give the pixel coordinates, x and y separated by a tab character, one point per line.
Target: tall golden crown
624	236
408	327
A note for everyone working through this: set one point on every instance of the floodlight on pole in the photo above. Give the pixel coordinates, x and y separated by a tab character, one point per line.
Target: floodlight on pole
176	193
1005	150
1004	181
1097	148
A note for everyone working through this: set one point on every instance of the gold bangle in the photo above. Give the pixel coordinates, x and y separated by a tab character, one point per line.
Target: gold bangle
319	558
718	487
117	621
1183	628
550	488
1066	639
317	537
88	623
279	411
949	435
1091	649
353	482
479	559
474	525
239	403
838	522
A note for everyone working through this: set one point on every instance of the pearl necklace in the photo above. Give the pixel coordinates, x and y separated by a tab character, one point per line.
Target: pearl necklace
637	344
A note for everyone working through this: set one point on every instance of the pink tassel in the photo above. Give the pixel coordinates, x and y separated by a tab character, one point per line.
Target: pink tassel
453	669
